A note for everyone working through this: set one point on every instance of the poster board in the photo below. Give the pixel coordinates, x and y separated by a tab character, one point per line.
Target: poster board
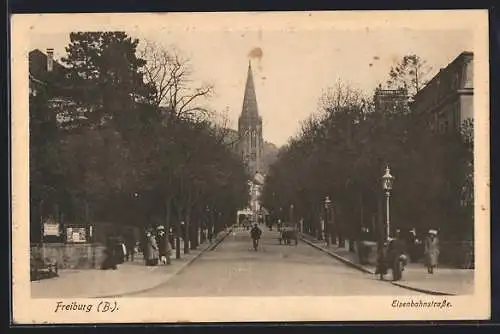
51	227
76	234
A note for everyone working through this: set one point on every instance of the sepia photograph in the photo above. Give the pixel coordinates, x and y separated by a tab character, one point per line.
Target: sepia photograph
219	167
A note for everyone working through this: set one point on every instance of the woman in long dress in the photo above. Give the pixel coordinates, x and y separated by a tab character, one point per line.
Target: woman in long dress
151	249
431	251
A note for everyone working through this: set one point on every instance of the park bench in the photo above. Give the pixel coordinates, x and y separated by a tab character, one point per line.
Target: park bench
42	268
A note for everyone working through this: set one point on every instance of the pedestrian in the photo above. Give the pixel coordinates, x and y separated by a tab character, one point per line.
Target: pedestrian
171	237
255	233
151	249
164	247
431	251
120	249
396	248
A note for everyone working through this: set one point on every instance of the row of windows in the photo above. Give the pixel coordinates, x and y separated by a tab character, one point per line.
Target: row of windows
449	119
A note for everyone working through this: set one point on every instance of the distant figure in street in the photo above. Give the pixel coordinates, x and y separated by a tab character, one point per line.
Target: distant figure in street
164	247
255	233
151	249
246	223
121	250
110	260
431	251
130	244
171	237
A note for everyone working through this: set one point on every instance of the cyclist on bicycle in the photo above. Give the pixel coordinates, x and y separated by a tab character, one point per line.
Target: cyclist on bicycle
255	233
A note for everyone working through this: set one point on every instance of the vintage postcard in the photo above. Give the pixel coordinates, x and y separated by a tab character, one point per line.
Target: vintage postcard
271	166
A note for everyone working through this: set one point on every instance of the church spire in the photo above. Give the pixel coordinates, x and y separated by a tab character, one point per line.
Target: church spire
250	99
250	127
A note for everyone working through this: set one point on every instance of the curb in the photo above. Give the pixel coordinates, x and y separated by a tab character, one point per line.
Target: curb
367	271
429	292
340	258
209	248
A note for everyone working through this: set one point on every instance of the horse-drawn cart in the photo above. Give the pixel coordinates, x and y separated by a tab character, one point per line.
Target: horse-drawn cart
289	234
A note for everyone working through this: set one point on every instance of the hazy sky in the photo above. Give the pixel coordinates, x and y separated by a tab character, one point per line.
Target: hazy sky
295	67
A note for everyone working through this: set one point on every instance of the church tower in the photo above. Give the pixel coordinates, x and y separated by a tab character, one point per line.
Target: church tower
251	144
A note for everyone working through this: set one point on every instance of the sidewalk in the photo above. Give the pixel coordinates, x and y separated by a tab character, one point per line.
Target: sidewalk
444	281
130	277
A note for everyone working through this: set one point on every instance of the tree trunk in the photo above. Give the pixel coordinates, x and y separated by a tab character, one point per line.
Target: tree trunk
187	225
178	233
355	233
168	213
194	231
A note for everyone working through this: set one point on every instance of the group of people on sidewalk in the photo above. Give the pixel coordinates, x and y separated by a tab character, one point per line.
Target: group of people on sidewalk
396	249
156	248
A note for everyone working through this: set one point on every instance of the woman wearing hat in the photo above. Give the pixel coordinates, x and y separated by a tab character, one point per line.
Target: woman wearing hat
164	247
151	249
431	251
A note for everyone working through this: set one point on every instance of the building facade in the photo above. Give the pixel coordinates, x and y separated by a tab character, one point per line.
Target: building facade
251	143
390	100
447	100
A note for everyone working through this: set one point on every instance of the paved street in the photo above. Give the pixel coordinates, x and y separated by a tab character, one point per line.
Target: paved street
235	269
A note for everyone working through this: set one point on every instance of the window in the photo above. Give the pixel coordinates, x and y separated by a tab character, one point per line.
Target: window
468	74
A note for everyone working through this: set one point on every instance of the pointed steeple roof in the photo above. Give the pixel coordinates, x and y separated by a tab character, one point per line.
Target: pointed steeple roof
250	100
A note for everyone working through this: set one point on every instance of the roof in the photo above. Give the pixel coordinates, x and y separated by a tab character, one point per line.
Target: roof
38	66
458	59
250	108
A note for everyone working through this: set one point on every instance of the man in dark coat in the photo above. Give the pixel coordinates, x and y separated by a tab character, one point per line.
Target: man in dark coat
397	246
255	233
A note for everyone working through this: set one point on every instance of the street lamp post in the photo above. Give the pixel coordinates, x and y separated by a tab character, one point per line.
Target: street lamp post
328	203
387	181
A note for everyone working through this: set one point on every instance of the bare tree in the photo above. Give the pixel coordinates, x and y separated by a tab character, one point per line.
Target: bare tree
221	128
339	97
170	74
411	73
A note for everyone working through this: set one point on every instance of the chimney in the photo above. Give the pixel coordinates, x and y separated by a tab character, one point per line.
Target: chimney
50	60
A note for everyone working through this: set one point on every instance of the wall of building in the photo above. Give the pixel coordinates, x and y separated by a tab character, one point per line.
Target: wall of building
70	256
467	107
448	98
